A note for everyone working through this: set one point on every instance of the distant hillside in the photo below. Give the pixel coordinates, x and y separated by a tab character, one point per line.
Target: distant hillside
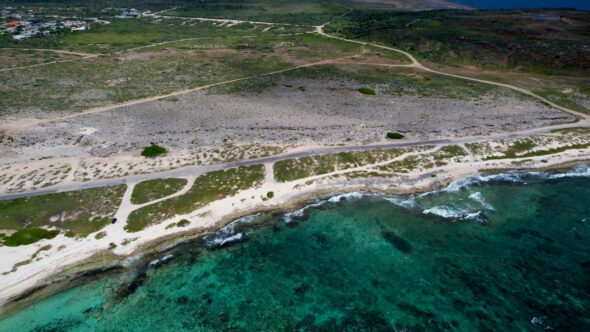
541	41
287	4
139	4
407	4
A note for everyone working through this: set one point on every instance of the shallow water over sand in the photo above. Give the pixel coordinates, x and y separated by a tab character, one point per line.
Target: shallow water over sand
505	253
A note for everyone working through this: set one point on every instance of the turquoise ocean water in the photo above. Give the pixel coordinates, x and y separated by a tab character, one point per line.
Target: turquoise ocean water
508	253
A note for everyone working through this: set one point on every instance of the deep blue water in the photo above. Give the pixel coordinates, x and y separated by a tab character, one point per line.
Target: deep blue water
498	253
510	4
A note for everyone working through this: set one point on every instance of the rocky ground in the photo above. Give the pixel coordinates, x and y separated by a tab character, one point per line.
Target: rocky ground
303	112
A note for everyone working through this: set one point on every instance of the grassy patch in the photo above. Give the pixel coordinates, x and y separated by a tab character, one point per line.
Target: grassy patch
293	169
541	153
181	223
11	58
577	130
516	149
394	135
391	81
402	166
568	100
153	151
78	85
150	190
123	34
206	189
28	236
100	235
78	213
279	11
449	152
367	91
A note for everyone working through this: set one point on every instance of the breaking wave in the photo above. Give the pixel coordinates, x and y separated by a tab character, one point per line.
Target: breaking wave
582	170
406	203
221	242
449	211
160	261
347	197
226	235
478	197
291	216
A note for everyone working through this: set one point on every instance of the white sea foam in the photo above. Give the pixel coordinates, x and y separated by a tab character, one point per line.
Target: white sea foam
478	197
289	216
158	262
129	261
346	197
446	211
402	202
167	257
582	170
229	229
449	211
478	216
478	179
227	232
221	241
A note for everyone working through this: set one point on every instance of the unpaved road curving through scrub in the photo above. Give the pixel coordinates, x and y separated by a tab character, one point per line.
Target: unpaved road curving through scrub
418	65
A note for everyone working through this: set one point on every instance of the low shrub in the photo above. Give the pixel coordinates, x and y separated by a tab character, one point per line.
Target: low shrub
183	223
367	91
153	151
394	135
28	236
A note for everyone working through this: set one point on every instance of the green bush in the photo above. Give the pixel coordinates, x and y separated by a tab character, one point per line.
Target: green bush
270	194
100	235
183	223
28	236
394	135
153	151
367	91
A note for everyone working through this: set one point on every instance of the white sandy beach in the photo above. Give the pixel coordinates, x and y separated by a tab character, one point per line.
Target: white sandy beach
66	252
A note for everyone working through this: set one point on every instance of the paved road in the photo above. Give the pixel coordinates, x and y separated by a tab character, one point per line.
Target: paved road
189	171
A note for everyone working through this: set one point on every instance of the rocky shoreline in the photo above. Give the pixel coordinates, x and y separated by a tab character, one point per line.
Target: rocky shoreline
105	262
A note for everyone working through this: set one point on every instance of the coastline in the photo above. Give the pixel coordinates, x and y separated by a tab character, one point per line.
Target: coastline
99	263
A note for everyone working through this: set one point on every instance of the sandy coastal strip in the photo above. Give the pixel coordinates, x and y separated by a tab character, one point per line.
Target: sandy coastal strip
288	196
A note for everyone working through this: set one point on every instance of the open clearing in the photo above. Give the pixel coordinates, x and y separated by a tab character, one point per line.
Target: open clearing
319	105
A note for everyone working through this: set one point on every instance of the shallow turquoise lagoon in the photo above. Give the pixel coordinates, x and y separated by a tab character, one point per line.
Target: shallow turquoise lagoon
504	253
